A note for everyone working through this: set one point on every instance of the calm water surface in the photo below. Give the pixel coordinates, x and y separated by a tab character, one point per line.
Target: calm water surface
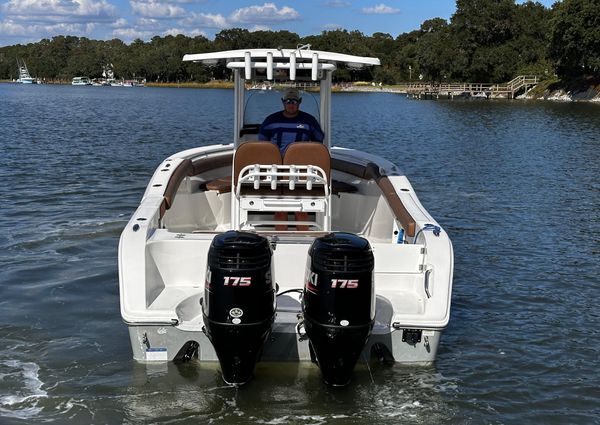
516	185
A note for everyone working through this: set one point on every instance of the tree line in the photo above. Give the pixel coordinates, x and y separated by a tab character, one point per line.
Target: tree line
484	41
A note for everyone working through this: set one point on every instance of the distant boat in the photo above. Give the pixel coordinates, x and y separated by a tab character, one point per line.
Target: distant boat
141	82
24	76
81	81
263	87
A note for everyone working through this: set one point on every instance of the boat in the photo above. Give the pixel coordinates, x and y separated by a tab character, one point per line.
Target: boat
81	81
262	87
206	272
24	77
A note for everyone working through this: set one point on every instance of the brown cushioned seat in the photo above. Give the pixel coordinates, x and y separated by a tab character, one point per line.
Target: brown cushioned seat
307	153
267	153
221	185
250	153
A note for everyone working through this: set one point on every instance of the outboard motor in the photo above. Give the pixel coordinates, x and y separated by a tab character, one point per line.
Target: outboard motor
239	301
339	303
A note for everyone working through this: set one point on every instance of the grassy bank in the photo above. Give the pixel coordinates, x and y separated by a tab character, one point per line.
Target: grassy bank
551	88
192	85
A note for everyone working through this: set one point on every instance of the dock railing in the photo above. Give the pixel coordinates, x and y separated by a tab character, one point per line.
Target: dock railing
509	90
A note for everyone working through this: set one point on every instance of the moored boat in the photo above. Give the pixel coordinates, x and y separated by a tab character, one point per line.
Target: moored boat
24	76
81	81
205	273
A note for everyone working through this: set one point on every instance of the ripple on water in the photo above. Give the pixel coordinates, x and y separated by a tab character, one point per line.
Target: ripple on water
514	183
20	379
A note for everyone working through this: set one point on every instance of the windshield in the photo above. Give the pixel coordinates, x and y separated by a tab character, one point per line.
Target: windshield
261	102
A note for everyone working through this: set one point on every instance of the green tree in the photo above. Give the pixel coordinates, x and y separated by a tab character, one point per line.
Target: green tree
343	41
437	47
479	27
575	39
405	57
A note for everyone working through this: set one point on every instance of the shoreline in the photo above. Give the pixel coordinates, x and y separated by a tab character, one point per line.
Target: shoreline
591	94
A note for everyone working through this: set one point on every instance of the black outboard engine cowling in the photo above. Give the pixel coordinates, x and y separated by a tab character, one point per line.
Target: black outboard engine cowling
339	303
239	301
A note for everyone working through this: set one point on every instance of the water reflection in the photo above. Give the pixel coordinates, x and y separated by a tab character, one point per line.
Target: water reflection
283	393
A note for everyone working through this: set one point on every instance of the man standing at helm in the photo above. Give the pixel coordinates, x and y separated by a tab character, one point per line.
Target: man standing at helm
286	127
291	124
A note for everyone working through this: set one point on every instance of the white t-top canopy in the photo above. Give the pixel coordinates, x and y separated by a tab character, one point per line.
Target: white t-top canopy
320	64
292	59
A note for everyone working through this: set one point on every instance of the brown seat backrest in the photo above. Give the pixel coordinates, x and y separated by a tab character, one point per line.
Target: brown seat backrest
308	153
251	153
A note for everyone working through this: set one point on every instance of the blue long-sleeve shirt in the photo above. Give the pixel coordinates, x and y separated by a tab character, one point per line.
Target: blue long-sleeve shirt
282	131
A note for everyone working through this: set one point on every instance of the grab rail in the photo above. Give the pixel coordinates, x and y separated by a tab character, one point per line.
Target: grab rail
274	175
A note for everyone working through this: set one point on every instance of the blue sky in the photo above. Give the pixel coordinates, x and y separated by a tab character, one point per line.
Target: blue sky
25	21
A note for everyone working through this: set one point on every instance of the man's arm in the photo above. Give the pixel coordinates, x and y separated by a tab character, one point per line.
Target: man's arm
263	133
318	134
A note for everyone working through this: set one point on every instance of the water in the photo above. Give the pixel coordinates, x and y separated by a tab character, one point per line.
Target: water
514	183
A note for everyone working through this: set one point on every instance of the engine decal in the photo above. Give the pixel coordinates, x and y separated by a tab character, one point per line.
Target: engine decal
237	281
344	283
311	285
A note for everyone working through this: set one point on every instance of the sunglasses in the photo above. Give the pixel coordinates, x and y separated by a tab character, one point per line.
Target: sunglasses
291	101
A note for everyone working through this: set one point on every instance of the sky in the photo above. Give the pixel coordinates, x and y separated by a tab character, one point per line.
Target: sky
27	21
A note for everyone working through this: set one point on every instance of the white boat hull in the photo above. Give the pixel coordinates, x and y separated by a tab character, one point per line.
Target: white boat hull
283	345
162	267
240	253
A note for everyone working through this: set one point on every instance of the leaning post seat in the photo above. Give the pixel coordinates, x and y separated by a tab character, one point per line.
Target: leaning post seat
308	153
262	182
311	154
248	153
251	153
315	153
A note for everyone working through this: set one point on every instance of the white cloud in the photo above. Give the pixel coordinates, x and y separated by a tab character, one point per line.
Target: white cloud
11	28
257	16
120	23
205	20
265	14
59	11
259	28
15	29
156	9
129	34
380	9
148	23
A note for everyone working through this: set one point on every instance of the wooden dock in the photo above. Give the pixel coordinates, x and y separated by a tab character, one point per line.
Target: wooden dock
509	90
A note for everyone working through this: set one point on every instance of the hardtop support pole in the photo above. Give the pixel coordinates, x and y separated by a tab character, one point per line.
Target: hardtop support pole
325	109
238	113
